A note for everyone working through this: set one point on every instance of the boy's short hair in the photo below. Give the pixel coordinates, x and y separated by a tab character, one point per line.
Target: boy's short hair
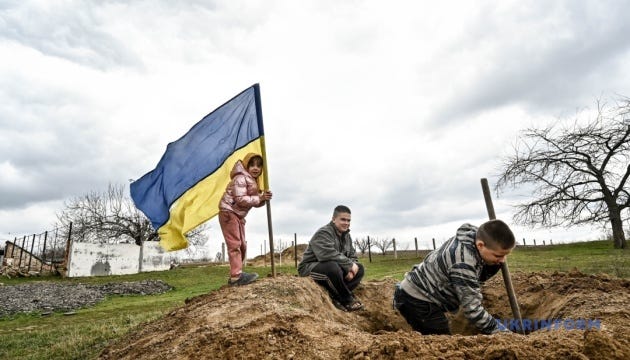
256	159
341	209
496	234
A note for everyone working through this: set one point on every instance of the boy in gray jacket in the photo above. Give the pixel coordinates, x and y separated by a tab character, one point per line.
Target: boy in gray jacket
450	277
330	260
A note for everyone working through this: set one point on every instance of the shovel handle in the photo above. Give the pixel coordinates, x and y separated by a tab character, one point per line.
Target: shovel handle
505	271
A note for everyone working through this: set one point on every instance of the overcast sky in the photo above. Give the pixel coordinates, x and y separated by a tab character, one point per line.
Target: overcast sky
396	109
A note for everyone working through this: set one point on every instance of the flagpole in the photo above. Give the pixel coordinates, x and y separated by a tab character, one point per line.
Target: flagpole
265	175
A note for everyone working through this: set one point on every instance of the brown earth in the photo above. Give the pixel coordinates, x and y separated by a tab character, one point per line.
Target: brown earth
288	317
288	256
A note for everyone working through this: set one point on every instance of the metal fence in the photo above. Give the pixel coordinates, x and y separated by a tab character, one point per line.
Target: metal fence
41	252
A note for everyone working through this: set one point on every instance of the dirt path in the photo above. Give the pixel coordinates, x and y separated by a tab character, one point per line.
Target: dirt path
292	318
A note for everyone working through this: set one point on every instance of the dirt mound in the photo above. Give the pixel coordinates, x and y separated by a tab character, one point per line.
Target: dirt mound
288	317
287	255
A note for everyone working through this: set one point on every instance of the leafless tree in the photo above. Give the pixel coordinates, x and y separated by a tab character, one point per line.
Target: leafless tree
383	244
110	217
362	245
279	247
578	173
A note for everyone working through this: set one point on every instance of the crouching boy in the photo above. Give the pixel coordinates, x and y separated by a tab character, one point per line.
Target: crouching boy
450	277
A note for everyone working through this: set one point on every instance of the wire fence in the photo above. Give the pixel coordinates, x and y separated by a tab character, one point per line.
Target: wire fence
41	253
365	247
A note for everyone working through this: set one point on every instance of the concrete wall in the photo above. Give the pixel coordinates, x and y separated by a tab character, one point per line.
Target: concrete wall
88	259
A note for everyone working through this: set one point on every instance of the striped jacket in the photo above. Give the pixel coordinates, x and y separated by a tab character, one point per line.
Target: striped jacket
450	277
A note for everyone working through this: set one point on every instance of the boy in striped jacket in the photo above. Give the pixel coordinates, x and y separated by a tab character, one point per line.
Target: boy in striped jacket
450	277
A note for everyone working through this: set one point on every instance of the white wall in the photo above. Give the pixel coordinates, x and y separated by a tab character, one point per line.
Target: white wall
88	259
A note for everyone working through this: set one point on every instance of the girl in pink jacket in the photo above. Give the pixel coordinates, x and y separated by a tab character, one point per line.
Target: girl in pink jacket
242	193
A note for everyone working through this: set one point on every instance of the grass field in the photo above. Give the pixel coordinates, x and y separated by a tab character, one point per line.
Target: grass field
84	335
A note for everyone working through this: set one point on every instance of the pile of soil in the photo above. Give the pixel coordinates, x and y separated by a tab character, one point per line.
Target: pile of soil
287	256
288	317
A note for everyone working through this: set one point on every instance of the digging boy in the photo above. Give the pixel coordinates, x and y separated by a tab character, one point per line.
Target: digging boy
450	277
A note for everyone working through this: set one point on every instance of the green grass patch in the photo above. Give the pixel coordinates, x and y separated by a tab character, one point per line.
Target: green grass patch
588	257
85	334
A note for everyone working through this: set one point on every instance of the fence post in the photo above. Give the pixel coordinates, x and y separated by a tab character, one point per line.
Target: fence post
223	252
433	243
66	257
140	257
543	242
30	255
54	248
12	248
395	252
523	241
295	248
44	251
534	242
550	241
21	253
369	249
415	240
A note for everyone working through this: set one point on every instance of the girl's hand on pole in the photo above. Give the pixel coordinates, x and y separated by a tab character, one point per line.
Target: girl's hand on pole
266	195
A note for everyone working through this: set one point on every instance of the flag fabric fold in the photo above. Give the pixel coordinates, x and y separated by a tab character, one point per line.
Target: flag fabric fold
185	188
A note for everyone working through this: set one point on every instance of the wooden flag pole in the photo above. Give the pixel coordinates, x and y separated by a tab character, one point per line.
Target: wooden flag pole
273	266
265	176
505	271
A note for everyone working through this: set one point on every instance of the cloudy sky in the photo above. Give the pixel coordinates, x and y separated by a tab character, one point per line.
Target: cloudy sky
395	109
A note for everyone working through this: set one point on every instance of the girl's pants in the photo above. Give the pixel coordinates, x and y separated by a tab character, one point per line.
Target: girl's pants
233	229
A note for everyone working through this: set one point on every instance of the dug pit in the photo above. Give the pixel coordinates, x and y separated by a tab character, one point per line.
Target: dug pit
289	317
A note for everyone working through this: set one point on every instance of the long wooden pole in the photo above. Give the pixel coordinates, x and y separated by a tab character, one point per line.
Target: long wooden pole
265	174
295	249
505	271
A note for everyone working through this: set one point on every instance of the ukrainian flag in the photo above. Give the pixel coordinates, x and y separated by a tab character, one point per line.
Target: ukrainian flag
185	188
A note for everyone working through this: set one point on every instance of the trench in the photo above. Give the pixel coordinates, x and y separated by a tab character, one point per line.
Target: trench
539	313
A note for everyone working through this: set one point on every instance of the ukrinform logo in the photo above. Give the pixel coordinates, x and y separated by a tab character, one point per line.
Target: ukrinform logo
551	324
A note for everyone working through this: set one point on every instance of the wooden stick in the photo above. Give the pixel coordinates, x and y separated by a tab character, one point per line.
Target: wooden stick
516	311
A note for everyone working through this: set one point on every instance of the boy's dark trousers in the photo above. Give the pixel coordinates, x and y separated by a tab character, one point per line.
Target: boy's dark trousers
332	277
423	316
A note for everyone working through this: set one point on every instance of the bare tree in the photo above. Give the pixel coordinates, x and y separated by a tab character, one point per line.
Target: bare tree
110	217
383	244
362	244
280	247
579	173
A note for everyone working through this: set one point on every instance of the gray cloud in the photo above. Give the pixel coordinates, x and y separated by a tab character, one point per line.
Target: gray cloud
554	59
48	145
74	33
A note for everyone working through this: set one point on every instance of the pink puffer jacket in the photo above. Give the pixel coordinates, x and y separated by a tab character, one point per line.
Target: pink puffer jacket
242	192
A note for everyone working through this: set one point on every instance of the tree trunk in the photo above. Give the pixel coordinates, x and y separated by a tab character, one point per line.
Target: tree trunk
619	237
